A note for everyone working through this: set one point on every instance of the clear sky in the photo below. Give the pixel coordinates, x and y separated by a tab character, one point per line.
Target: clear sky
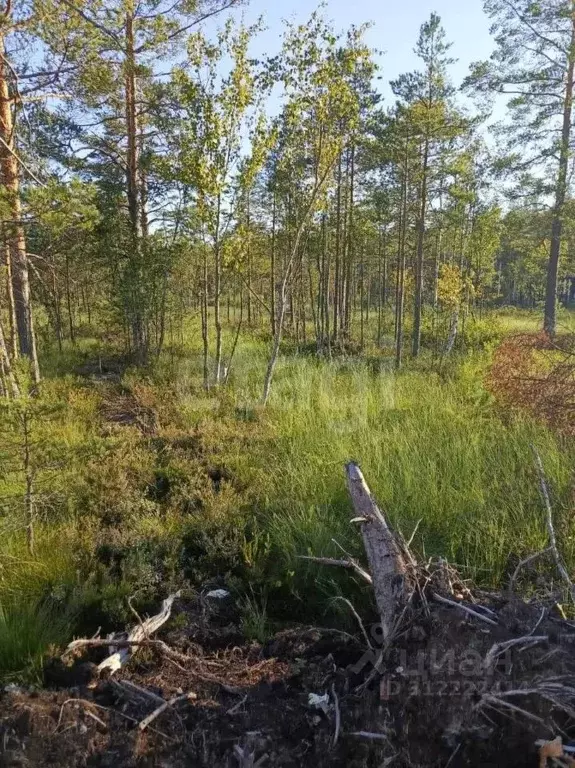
395	27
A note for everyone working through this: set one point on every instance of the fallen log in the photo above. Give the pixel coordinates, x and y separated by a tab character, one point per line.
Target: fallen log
387	564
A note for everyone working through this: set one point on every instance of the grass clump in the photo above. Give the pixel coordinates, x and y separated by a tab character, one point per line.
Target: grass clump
28	630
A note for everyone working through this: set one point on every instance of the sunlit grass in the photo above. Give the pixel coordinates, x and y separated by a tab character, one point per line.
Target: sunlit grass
433	446
430	449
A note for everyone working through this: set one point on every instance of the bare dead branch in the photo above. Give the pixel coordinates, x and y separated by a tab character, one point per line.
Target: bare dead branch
470	611
163	707
131	690
357	618
337	715
22	163
499	648
351	564
139	636
498	703
369	735
550	529
387	565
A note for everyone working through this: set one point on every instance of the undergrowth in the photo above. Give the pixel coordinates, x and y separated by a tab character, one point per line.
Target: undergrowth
223	492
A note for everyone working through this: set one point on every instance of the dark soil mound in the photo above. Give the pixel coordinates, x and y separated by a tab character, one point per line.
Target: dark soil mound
448	693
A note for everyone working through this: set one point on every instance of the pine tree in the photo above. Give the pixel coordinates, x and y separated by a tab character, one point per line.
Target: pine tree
534	64
427	103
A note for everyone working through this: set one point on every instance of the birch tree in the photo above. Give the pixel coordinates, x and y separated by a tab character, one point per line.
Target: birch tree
219	136
320	112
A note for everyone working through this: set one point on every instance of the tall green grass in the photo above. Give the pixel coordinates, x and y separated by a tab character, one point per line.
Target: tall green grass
434	447
432	450
28	629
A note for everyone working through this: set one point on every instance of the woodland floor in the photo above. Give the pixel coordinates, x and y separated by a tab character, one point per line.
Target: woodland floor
257	697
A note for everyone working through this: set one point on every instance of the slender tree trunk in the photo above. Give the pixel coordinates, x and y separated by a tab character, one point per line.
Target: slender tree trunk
18	261
135	288
143	184
344	249
302	302
401	267
361	298
6	365
313	305
452	332
162	329
385	286
69	302
235	344
550	320
132	169
350	248
273	268
204	314
379	289
29	478
283	294
326	290
337	276
249	263
416	341
57	320
13	345
436	266
320	303
217	295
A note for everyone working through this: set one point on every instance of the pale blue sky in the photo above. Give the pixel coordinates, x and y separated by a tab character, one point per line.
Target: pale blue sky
395	28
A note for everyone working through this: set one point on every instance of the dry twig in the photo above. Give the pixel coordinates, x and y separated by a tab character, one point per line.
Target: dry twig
499	704
246	757
160	645
369	735
337	715
137	637
470	611
499	648
351	564
357	618
236	707
131	690
523	563
162	708
87	703
550	529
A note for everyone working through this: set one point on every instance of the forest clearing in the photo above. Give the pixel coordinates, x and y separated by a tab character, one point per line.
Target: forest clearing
287	390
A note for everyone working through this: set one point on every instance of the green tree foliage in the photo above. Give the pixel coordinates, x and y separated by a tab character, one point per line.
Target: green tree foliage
534	65
165	175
